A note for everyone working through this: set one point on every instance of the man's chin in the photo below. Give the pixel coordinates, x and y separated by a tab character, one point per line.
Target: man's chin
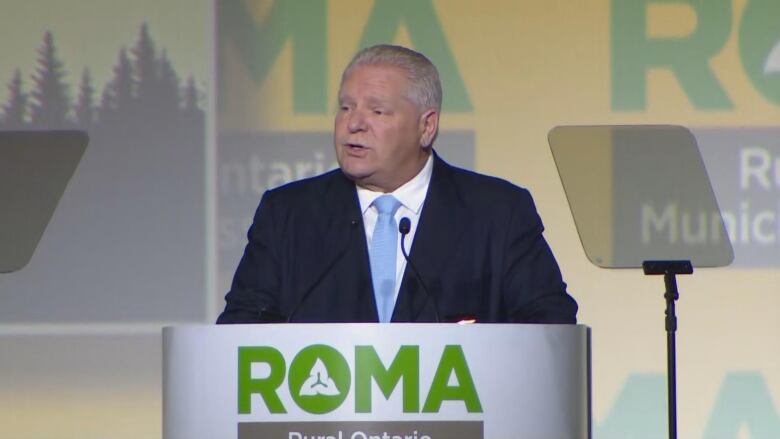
362	178
355	167
354	172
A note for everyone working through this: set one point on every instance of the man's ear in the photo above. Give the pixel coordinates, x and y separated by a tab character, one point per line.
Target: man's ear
429	127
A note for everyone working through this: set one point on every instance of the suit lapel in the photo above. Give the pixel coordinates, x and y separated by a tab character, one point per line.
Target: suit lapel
336	236
442	224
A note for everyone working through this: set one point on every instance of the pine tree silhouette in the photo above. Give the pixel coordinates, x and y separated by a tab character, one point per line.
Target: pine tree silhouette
192	115
145	90
145	69
168	88
123	84
117	99
85	107
191	96
50	103
107	106
15	110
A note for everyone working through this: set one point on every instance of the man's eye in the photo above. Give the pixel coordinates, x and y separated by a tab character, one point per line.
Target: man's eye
379	112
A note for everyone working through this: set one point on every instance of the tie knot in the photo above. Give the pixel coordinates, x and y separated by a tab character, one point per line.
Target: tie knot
387	204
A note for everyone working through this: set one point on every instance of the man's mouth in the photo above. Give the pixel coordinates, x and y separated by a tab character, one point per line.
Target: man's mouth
354	146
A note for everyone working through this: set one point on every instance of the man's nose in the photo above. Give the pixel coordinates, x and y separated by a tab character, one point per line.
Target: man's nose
356	122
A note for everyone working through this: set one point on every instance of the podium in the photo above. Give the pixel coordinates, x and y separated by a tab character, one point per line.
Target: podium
376	381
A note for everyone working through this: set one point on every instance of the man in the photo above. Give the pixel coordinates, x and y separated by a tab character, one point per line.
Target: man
328	249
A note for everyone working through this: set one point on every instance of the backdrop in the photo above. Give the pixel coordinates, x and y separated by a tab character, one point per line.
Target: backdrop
196	108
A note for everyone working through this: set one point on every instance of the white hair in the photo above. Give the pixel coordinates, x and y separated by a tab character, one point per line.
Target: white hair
424	84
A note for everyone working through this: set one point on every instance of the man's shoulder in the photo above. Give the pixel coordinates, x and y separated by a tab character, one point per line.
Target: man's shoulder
483	188
311	188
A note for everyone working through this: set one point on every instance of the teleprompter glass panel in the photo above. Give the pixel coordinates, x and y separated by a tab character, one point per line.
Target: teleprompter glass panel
35	167
640	192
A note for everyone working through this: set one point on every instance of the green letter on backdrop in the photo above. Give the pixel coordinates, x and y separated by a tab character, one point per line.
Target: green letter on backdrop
427	36
743	399
759	46
633	53
639	411
259	44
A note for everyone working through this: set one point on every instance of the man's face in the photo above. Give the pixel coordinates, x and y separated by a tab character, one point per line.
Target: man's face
379	131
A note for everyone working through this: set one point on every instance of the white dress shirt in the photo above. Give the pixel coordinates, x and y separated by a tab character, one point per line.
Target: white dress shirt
412	196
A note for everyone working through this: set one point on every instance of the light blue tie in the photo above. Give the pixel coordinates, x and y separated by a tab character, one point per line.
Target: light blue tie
382	254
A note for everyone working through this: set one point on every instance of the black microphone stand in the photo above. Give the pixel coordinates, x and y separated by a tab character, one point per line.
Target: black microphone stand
404	227
670	269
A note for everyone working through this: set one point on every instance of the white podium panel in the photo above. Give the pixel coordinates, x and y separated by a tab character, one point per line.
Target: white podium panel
372	381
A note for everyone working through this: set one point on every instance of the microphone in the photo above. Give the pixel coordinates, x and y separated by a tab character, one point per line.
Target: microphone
352	226
404	226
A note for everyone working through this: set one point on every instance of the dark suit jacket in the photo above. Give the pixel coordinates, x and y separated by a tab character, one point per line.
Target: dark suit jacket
478	248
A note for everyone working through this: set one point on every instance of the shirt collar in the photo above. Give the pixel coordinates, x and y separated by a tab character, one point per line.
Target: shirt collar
411	194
